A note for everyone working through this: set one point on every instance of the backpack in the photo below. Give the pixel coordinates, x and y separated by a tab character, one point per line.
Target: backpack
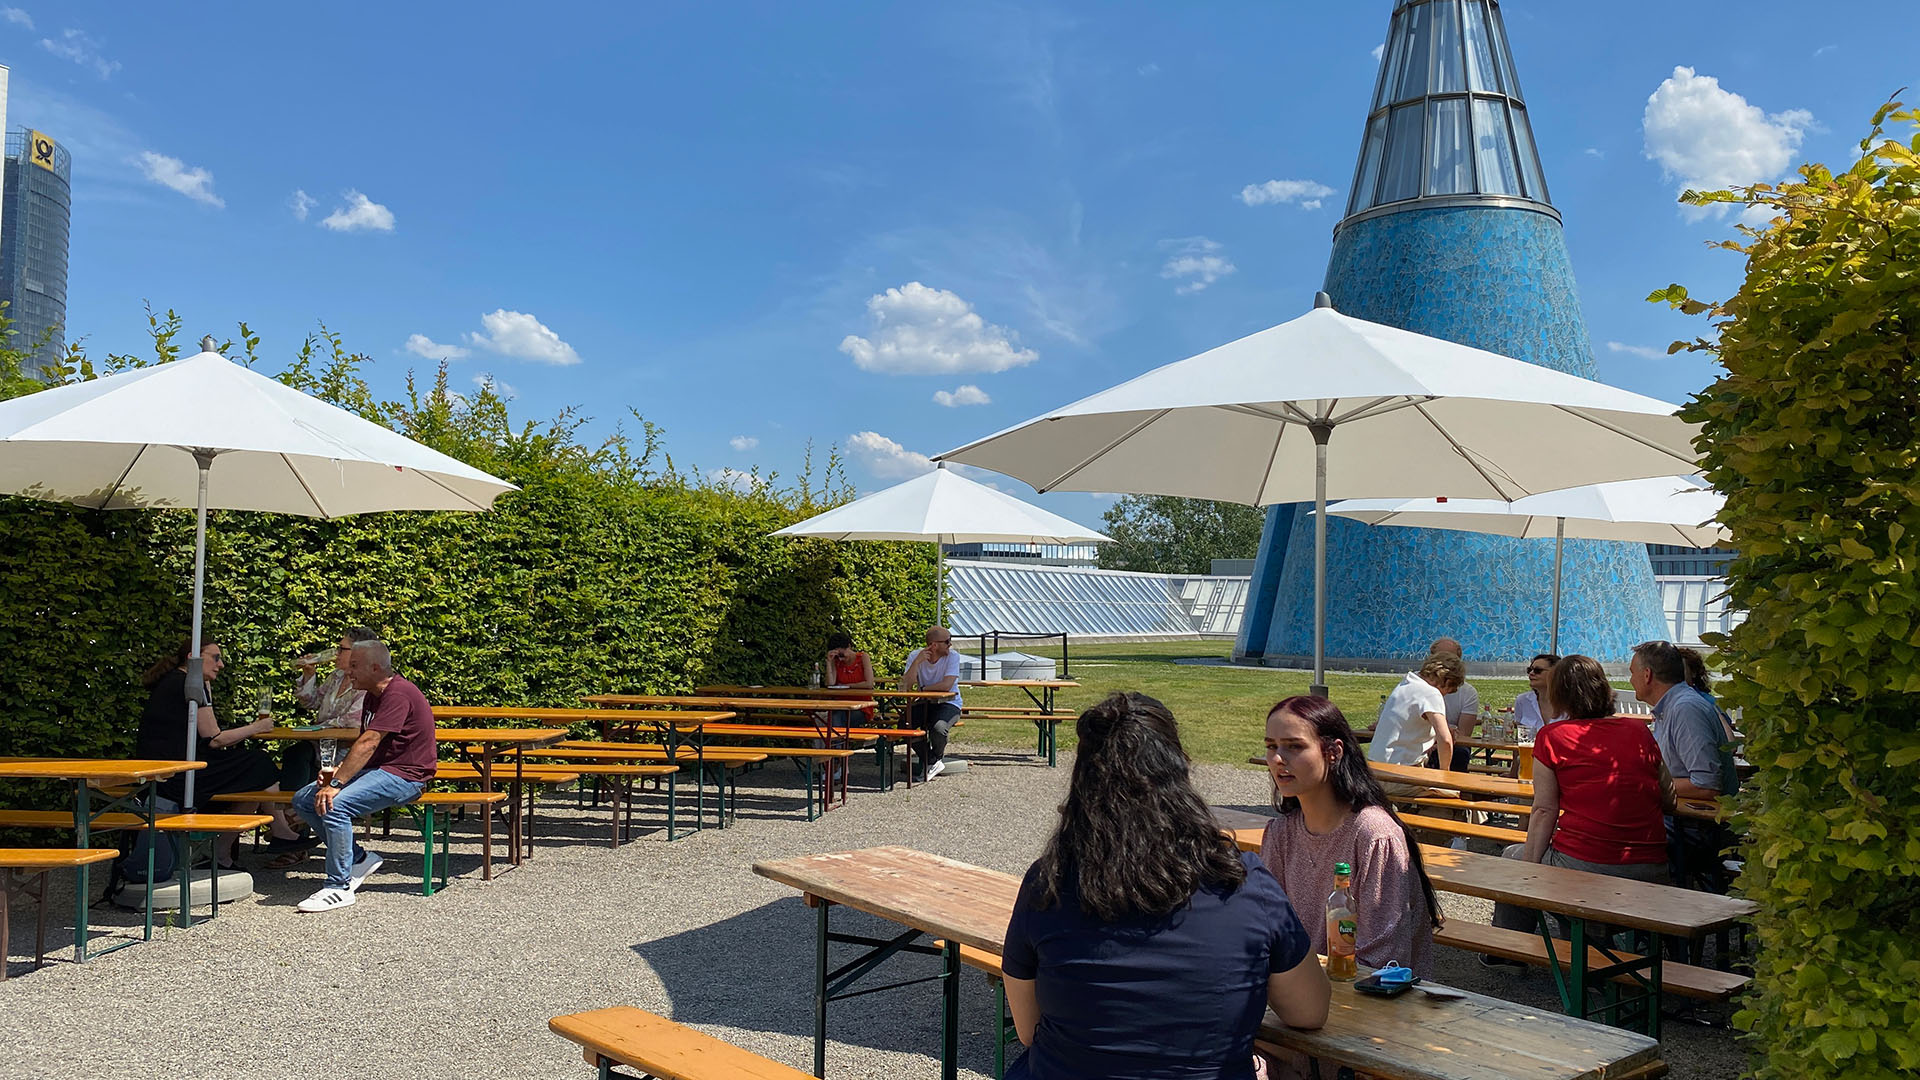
131	867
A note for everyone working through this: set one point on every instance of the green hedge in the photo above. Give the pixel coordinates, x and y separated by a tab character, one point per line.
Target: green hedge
1813	433
606	572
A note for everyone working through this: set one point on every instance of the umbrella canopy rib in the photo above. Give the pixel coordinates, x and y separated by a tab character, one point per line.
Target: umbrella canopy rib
1462	451
304	486
1098	454
1650	444
124	473
1381	407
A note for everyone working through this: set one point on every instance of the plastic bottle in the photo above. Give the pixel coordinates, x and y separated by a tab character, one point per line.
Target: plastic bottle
1342	928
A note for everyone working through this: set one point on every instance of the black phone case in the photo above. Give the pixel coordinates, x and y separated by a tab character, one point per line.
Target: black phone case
1372	985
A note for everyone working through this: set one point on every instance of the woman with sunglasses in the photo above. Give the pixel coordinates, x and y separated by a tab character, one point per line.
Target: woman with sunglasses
1332	810
1526	707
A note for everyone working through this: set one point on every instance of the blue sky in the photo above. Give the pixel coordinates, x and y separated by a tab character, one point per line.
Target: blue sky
759	224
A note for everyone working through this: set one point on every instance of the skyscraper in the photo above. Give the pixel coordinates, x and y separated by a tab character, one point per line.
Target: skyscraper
1449	231
35	210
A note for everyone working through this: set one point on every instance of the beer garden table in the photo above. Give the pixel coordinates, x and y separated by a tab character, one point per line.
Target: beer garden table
1405	1038
84	773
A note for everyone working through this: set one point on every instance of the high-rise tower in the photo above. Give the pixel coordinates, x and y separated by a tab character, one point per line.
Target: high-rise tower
38	202
1449	232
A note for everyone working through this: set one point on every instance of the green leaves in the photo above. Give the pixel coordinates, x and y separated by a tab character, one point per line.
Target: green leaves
1813	433
1165	534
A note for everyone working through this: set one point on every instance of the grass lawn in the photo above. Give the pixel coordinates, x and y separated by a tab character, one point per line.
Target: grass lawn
1222	710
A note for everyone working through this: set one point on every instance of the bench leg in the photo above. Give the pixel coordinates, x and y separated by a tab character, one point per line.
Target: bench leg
425	814
486	842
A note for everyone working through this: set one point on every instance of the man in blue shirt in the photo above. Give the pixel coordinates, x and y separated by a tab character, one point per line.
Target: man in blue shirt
1697	748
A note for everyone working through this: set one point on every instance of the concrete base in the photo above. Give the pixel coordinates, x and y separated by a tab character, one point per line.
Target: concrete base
234	885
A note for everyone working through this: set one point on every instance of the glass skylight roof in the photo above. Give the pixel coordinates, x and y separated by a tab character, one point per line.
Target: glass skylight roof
989	596
1448	121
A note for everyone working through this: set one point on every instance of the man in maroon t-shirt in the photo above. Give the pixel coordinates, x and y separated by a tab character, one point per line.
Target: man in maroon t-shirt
389	764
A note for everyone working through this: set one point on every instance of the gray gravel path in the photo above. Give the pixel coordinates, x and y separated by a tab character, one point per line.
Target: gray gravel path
462	983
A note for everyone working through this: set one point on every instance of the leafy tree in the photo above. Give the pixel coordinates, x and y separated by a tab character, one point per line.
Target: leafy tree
1813	433
1165	534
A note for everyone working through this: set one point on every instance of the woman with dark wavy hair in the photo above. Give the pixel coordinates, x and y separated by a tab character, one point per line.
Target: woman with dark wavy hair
1143	944
1332	810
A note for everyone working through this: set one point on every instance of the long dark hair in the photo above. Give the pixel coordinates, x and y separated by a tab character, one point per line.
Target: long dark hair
175	659
1134	836
1353	783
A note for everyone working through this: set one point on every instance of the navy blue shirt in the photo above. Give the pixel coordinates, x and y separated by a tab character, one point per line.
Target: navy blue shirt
1173	997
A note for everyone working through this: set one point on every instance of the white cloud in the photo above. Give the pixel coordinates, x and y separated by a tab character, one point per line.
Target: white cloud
743	443
964	394
1817	53
1377	52
195	184
919	330
1642	351
1148	69
1594	152
1708	138
16	16
885	458
358	215
422	345
1307	193
1195	263
77	46
501	390
301	203
515	334
737	479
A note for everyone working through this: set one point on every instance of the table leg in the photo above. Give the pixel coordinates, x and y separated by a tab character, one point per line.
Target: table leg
81	891
820	987
950	1020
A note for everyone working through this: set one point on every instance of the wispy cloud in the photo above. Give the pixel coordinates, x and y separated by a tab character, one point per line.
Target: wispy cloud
743	443
1377	52
920	330
17	17
886	459
504	391
301	204
1306	193
422	345
1645	352
523	337
77	46
964	394
737	479
1147	69
194	183
360	214
1195	262
1824	50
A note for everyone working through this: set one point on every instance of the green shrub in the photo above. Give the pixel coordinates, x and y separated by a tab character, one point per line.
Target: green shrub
605	572
1813	433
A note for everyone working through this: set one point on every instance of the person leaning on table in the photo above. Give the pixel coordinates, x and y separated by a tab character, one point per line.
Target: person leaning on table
1463	711
1598	791
389	764
1412	721
936	667
1143	943
1696	741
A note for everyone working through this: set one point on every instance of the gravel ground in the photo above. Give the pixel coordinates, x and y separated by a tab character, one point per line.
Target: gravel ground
463	983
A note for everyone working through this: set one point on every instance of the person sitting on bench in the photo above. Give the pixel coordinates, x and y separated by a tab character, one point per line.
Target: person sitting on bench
936	667
1526	707
1598	791
389	764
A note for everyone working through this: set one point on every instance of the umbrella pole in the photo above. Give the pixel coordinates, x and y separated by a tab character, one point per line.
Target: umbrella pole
1559	539
1322	431
196	678
940	584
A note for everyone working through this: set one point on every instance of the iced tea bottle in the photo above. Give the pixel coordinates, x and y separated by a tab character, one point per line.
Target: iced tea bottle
1342	929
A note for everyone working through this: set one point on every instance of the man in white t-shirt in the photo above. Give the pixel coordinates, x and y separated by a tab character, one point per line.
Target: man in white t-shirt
936	667
1413	720
1463	712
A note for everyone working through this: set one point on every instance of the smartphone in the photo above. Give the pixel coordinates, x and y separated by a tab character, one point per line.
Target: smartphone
1372	985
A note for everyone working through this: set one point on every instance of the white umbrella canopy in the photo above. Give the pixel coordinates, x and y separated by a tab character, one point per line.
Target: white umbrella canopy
1406	415
943	507
208	433
1660	510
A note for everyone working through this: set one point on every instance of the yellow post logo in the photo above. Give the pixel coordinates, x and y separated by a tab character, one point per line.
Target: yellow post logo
40	150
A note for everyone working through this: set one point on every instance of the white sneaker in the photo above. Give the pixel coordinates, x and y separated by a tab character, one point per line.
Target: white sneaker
326	900
357	875
936	768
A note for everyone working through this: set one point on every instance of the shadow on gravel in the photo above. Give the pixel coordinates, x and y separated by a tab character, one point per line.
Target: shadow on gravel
755	971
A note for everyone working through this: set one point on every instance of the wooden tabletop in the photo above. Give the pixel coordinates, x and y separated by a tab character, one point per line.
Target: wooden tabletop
1411	1037
1618	901
1037	684
94	769
1482	783
573	716
838	693
1416	1037
294	734
531	736
941	897
741	704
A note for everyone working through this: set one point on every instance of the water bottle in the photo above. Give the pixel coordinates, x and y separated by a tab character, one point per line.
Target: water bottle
816	683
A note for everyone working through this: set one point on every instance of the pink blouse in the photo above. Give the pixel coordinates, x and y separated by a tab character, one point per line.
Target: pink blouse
1388	902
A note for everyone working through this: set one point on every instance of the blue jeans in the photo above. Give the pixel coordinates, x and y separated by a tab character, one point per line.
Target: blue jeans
375	789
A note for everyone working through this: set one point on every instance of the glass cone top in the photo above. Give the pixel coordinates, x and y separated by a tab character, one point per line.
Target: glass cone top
1448	126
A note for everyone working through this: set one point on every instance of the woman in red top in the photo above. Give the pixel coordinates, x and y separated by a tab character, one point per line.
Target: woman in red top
1600	789
847	666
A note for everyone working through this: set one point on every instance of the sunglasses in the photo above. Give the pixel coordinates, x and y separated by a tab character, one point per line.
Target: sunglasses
1537	670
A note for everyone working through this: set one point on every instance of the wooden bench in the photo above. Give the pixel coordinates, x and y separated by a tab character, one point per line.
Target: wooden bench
1422	823
625	774
1702	983
23	871
192	828
733	757
424	812
1518	809
624	1036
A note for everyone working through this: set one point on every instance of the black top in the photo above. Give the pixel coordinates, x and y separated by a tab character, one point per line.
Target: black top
162	737
1175	997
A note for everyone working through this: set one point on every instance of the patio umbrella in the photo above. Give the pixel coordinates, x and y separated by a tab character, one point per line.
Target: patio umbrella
1251	422
1662	510
208	433
945	508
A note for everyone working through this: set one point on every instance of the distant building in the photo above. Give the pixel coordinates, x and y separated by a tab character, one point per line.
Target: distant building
1032	554
35	211
1672	560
